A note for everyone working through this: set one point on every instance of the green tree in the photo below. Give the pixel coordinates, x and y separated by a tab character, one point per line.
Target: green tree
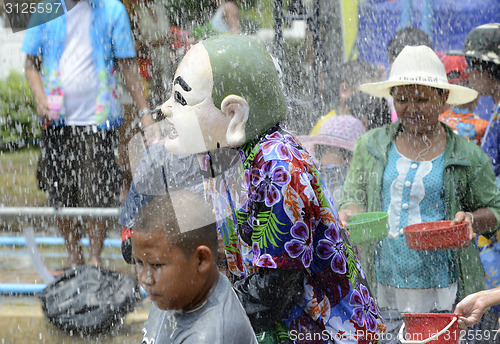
18	120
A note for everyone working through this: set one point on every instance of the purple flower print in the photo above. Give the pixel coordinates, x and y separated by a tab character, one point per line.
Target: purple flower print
266	179
333	245
285	146
365	310
264	261
301	245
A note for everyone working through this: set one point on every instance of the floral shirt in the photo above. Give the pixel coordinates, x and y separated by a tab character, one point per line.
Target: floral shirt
285	219
111	38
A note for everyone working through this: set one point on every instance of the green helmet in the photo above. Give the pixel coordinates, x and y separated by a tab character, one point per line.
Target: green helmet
483	43
241	66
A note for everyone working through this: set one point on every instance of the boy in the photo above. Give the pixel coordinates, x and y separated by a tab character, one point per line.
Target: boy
174	251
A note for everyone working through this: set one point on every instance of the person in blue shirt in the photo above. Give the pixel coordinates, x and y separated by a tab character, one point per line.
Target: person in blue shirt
482	53
71	68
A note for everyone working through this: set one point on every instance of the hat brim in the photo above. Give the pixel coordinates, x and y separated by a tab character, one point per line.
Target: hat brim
309	142
488	57
458	94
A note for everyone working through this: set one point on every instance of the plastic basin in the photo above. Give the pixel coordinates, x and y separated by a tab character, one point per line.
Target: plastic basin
439	328
368	227
437	235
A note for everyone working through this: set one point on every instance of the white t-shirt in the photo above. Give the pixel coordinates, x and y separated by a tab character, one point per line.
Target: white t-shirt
77	67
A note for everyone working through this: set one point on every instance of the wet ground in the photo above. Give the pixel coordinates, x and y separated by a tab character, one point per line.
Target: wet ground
21	316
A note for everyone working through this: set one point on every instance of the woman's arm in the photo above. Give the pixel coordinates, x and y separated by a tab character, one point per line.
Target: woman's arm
473	306
32	70
480	221
348	212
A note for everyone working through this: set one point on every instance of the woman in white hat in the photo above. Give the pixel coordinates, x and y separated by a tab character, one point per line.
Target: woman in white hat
418	170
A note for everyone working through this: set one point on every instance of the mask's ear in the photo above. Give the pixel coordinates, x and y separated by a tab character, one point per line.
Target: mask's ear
237	109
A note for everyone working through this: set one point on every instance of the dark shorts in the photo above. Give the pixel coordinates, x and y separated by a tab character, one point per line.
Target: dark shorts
78	168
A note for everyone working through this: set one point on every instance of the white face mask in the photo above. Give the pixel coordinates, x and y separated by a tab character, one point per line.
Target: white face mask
197	125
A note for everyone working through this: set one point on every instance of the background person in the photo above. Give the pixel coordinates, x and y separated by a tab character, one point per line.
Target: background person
332	150
461	118
70	66
353	102
411	36
226	18
482	54
418	170
151	32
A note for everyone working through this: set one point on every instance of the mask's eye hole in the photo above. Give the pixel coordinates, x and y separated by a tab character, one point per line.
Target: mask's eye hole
179	98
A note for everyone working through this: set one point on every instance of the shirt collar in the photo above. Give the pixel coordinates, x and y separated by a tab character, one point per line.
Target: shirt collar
247	148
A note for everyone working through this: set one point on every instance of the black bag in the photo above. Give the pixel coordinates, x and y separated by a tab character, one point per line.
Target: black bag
89	300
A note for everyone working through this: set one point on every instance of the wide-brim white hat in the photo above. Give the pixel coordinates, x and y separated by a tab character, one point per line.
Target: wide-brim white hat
419	66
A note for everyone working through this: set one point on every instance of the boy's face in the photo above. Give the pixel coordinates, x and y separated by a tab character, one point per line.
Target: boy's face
198	124
169	278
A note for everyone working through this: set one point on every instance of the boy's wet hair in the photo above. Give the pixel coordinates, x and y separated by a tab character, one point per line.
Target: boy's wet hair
160	214
408	36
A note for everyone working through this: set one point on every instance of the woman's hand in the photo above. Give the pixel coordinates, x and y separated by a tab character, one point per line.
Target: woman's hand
348	212
345	215
462	216
473	306
471	310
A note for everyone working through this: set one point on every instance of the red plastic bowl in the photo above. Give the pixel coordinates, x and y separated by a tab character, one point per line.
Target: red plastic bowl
437	235
421	326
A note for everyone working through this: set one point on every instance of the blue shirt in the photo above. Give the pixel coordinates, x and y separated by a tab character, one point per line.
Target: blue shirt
111	39
412	192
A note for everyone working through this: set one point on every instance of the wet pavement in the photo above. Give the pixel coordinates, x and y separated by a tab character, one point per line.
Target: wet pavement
11	56
22	321
21	317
